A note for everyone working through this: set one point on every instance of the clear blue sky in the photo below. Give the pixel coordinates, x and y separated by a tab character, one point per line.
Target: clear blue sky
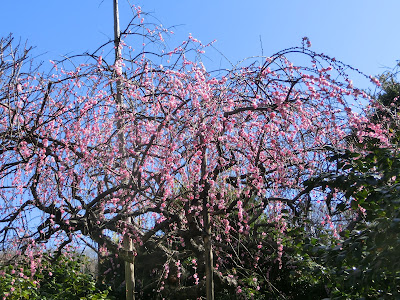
362	33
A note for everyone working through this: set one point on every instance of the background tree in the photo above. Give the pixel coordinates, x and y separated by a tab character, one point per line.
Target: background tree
363	262
387	98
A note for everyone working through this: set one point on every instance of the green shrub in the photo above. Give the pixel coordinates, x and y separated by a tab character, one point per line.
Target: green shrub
57	280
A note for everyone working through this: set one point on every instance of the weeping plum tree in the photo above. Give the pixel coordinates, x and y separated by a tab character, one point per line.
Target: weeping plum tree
198	148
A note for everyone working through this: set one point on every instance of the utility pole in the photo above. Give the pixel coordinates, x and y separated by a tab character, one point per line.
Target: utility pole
208	252
127	242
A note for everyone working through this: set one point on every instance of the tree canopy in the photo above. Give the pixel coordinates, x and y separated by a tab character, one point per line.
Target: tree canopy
189	160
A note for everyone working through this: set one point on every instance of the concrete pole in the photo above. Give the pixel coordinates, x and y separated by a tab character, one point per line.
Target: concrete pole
127	242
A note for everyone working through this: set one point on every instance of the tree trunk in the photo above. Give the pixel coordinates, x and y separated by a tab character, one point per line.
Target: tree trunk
129	271
208	256
127	242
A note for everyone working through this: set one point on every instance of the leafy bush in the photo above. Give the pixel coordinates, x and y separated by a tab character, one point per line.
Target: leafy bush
364	263
58	280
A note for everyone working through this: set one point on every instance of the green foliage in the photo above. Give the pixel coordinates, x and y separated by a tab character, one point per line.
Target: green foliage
58	280
15	284
364	263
